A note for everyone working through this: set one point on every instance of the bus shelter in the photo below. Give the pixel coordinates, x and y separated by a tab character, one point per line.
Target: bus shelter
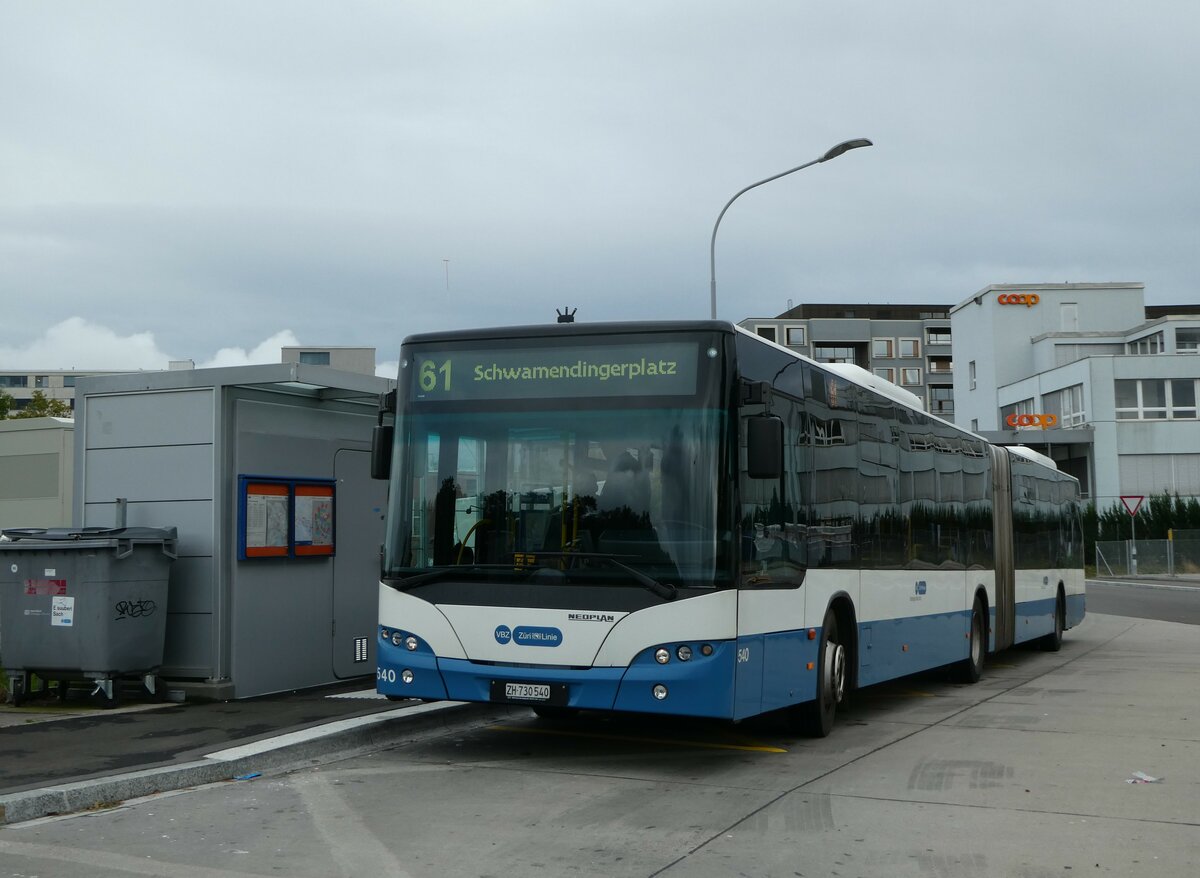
265	472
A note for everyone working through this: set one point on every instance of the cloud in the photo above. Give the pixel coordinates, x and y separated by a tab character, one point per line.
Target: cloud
266	352
79	344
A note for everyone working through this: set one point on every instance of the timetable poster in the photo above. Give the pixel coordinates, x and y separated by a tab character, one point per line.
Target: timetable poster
266	520
313	519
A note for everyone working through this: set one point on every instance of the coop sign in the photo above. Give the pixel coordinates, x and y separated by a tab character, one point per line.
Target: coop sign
1026	299
1043	421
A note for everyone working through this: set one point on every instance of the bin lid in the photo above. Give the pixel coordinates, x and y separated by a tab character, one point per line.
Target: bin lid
64	534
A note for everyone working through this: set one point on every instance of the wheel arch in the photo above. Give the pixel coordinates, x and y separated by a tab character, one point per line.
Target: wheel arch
842	606
981	596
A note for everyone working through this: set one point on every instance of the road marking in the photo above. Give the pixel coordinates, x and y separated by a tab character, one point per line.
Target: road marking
754	748
1135	584
303	736
902	693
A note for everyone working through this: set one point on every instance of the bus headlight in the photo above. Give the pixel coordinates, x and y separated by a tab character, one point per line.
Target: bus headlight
659	691
684	652
406	675
397	638
662	656
410	643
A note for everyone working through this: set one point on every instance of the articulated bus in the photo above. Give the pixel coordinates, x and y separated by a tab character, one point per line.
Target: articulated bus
684	518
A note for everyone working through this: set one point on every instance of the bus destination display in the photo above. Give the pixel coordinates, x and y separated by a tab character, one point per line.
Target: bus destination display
611	370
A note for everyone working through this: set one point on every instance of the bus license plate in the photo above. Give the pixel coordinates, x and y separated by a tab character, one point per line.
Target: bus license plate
527	691
530	693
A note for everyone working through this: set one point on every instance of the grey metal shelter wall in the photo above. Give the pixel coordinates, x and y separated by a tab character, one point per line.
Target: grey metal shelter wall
294	621
156	449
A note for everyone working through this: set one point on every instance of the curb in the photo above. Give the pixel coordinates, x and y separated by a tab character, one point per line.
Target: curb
1179	585
340	738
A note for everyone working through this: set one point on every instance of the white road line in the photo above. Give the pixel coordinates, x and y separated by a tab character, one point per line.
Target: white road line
305	735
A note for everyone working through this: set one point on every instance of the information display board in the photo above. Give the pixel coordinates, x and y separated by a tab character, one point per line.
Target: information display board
662	368
282	517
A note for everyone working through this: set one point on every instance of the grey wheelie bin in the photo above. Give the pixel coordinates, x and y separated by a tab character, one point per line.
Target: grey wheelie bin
84	604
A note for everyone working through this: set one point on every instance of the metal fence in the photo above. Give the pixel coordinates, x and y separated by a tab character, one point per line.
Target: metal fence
1148	557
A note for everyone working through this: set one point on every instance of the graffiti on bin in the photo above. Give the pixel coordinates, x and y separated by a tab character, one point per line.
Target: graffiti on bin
134	609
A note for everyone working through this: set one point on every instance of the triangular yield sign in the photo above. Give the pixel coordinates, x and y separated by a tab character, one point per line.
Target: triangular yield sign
1132	504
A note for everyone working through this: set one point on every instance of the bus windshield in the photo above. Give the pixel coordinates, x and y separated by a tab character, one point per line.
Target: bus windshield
579	495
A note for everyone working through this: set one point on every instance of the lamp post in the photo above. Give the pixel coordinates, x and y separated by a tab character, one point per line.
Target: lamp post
832	153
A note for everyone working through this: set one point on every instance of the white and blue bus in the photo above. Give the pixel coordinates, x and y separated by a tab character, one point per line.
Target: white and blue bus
684	518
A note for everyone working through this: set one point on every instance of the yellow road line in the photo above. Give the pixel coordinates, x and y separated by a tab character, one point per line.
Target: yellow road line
756	748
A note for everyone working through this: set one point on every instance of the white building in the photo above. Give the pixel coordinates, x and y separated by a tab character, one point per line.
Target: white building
1087	374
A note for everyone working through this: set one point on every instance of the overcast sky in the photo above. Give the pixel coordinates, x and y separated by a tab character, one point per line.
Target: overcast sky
214	180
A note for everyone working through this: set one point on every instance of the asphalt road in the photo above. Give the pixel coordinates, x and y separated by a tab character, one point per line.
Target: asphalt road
1024	774
1170	603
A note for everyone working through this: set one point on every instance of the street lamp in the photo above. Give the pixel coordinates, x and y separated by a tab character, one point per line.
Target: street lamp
832	153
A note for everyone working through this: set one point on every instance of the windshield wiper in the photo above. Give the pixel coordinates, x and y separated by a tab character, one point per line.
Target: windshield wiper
664	590
446	573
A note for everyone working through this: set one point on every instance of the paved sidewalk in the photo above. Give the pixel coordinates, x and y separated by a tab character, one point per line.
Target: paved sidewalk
57	758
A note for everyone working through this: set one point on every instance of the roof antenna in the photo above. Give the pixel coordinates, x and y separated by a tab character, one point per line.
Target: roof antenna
566	315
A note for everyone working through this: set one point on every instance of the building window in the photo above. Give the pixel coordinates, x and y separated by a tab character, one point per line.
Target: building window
1187	341
910	377
975	425
1151	344
315	358
941	365
795	336
971	371
883	348
1183	398
41	380
767	332
887	373
1155	399
937	335
941	401
14	380
1024	407
69	380
910	348
833	354
1066	405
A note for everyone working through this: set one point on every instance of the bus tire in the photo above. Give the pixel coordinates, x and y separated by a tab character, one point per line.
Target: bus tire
970	669
815	718
1052	642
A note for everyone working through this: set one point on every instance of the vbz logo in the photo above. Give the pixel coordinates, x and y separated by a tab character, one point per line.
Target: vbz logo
1042	421
1026	299
503	634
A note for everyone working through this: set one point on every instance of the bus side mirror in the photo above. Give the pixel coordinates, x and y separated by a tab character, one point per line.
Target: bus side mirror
764	447
381	450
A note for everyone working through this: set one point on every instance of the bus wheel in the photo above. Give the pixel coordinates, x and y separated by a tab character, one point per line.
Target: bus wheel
816	717
970	669
1052	642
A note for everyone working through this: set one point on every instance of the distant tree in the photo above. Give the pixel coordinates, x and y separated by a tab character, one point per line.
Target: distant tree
6	402
41	407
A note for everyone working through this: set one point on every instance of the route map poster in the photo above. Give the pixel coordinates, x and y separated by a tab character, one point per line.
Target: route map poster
282	517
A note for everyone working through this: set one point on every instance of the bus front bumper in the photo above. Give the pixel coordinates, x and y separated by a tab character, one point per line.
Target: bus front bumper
700	686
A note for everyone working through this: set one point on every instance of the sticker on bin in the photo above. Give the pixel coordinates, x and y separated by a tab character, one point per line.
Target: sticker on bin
62	612
46	586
